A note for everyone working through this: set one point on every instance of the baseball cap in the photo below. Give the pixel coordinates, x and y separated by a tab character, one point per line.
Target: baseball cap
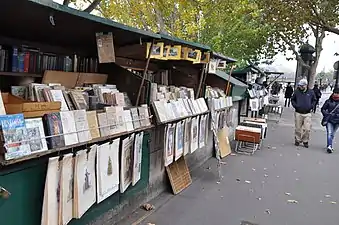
302	82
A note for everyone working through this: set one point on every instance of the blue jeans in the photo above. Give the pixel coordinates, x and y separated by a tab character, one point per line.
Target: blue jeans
331	129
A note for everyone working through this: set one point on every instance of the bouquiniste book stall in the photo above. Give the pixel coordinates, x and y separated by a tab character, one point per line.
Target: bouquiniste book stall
178	109
62	108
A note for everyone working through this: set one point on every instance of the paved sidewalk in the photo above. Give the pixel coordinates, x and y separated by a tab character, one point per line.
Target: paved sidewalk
279	185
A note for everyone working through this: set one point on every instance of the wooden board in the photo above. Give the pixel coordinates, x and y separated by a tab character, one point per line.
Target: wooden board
91	78
179	175
67	79
224	142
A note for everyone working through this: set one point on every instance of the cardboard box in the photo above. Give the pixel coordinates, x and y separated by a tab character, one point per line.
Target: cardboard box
14	105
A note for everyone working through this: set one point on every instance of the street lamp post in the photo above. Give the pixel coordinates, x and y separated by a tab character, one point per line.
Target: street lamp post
336	71
306	52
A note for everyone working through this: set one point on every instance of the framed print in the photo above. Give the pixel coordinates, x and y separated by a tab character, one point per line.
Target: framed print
254	104
174	52
221	64
126	171
244	107
169	144
179	140
137	159
165	52
157	51
205	57
198	59
194	134
212	67
192	55
105	47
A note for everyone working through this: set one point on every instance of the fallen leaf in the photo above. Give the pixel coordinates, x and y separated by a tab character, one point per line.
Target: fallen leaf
233	154
265	175
321	201
148	207
333	202
238	180
218	182
293	201
298	154
248	181
259	198
242	161
287	193
328	196
253	169
208	168
268	211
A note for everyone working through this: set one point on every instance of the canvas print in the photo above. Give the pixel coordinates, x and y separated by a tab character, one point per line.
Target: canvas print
202	131
194	134
137	159
179	140
169	144
67	184
126	171
107	167
84	181
51	203
187	134
36	133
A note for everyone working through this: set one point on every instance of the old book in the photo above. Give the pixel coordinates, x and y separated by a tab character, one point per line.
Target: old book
119	99
120	119
78	100
52	200
107	169
67	189
58	96
112	119
14	136
137	158
169	144
194	134
126	171
53	127
81	124
103	124
37	92
68	100
36	134
179	140
160	111
128	120
19	91
93	124
69	127
144	116
84	181
2	106
135	118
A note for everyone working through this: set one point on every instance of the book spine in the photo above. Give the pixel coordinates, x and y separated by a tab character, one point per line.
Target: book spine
15	59
26	62
21	62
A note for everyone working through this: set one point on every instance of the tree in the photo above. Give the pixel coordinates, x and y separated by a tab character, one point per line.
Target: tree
291	26
92	4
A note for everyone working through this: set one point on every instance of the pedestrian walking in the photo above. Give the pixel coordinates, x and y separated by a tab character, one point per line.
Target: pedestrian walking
317	94
303	101
330	111
288	94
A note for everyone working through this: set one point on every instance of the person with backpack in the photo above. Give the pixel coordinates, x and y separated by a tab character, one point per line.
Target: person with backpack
330	111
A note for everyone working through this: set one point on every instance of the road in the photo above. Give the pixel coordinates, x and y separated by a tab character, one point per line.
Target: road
279	185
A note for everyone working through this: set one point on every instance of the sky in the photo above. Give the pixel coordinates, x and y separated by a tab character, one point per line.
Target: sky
326	61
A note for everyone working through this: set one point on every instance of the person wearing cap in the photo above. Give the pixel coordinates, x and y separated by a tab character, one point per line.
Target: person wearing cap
303	101
330	111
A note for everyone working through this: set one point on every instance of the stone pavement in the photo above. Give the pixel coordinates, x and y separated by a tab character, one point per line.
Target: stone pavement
279	185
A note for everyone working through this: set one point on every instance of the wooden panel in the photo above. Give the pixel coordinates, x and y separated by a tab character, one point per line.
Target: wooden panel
179	175
67	79
224	143
91	78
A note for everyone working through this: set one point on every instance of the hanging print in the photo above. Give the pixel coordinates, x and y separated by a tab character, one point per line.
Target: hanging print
107	169
194	134
67	184
169	144
179	140
126	171
137	157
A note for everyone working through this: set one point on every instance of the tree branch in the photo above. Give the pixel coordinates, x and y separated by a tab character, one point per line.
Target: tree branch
66	2
92	6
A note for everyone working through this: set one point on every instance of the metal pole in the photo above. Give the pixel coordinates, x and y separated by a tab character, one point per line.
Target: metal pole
202	75
144	73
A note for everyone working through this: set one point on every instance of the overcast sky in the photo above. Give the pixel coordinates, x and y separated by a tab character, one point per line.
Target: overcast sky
327	58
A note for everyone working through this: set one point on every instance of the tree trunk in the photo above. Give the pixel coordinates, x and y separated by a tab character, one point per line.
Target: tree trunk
92	6
66	2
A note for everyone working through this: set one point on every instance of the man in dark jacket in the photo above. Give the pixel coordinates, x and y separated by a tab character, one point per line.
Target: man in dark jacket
317	94
303	101
288	94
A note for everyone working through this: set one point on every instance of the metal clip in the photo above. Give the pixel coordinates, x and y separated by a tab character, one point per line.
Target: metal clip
4	193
